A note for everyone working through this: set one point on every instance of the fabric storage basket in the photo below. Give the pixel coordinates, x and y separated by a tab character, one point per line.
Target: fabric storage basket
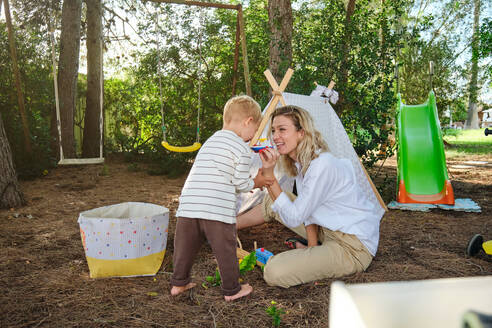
124	240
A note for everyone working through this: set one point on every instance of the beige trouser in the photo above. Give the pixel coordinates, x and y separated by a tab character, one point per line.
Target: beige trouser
339	255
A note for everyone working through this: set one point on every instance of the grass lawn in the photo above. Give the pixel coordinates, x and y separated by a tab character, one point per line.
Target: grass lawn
466	142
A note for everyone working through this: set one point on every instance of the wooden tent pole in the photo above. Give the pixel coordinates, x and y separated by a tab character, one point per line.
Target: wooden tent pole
274	85
374	189
273	104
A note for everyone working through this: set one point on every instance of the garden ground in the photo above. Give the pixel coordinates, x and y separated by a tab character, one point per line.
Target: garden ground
45	279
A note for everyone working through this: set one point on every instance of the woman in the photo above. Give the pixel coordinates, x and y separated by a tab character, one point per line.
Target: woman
341	225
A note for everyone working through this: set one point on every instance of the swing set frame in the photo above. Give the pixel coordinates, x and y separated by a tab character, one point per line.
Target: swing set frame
240	38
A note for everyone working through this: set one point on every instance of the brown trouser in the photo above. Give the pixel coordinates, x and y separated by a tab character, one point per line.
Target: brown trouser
188	238
339	255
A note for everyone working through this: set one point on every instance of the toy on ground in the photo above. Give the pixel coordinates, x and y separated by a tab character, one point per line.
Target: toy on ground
476	244
262	255
487	131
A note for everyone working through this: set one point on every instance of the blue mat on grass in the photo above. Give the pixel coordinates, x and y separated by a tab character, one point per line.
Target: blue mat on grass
460	204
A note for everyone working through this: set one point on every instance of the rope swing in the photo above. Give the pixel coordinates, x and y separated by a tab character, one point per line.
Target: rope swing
63	160
196	145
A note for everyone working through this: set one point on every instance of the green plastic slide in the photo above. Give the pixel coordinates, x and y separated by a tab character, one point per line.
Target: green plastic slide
422	173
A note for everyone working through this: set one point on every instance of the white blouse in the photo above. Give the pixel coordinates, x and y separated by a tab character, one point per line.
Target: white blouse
328	195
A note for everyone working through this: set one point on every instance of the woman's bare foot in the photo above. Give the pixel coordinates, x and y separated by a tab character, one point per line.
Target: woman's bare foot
296	242
246	289
176	290
300	245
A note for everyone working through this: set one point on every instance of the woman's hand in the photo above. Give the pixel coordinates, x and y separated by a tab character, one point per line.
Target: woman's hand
269	157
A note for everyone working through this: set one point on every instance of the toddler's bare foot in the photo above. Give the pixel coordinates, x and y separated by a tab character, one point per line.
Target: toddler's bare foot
246	289
176	290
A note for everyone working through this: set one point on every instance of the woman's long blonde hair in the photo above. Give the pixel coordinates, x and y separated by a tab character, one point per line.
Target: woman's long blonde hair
311	145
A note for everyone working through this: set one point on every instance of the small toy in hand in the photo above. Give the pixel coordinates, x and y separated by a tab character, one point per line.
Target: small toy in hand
262	255
259	149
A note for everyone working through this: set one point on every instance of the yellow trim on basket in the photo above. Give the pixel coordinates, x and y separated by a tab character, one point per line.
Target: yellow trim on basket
185	149
140	266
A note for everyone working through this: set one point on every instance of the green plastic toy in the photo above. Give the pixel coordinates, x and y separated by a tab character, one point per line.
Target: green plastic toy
422	172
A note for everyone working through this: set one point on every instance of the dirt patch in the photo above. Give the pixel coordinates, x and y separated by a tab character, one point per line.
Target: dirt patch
45	279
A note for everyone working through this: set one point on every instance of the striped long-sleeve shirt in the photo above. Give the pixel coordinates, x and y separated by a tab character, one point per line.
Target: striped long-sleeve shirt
220	172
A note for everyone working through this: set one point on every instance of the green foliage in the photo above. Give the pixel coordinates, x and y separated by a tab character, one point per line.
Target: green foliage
440	34
486	38
37	84
105	170
450	133
133	167
196	56
246	264
457	109
368	94
173	165
485	48
215	279
275	313
466	142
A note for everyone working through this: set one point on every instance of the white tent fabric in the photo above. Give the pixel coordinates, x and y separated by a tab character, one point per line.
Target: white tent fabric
322	91
327	122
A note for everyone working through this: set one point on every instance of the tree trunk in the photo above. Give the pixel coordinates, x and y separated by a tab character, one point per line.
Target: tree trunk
92	131
17	78
10	193
472	118
344	64
68	69
281	23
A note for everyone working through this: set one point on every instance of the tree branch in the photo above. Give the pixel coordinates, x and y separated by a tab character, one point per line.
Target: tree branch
124	21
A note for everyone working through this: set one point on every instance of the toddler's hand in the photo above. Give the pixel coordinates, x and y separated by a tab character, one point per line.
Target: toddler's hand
262	181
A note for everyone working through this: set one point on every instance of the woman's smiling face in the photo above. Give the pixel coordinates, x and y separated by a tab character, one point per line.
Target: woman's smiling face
286	136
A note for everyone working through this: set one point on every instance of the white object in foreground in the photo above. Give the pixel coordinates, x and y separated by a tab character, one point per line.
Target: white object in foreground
425	303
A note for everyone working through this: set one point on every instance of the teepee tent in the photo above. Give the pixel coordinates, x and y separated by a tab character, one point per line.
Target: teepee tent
329	125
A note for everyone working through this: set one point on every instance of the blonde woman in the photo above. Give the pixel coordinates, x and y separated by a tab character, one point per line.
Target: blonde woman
340	224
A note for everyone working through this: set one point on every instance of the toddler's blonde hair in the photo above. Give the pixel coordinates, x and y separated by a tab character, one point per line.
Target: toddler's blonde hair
241	107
